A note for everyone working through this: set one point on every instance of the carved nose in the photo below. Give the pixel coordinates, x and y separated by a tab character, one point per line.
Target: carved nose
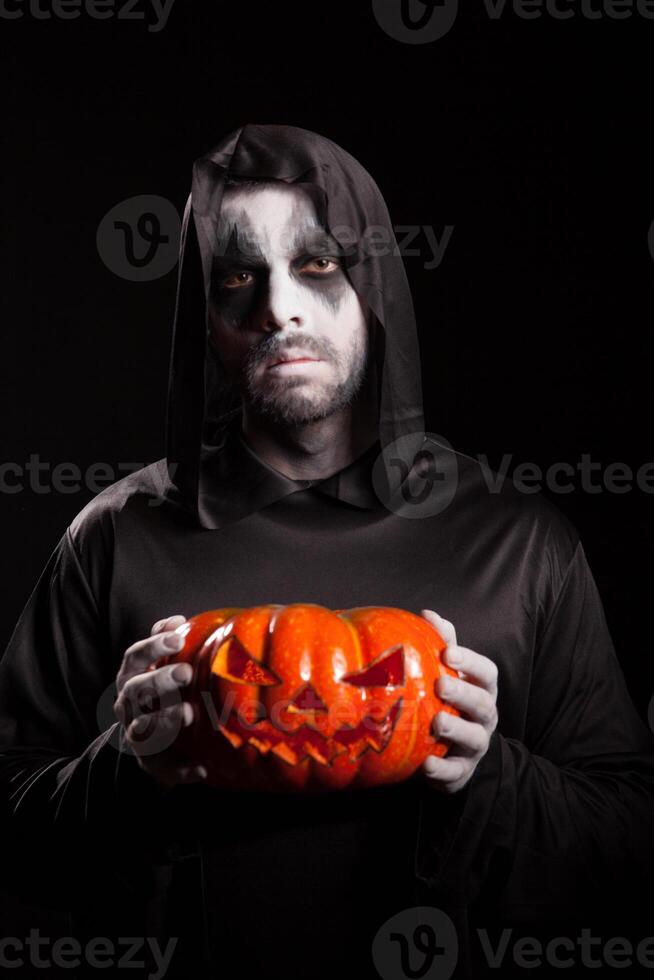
307	699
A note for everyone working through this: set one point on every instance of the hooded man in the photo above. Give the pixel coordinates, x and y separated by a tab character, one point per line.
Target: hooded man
295	472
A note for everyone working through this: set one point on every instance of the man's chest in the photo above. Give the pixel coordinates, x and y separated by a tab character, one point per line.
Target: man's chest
479	588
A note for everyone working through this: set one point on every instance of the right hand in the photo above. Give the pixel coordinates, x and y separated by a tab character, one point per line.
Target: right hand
137	687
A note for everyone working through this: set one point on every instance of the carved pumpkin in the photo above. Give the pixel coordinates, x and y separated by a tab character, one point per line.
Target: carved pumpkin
302	697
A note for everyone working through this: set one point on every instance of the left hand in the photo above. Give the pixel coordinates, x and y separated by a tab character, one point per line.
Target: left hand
476	699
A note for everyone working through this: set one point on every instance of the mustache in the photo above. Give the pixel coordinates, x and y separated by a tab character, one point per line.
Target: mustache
273	347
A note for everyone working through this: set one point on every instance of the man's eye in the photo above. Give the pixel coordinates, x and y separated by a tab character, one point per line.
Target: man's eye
236	279
322	264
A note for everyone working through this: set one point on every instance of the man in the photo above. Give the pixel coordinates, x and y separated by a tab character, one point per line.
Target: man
295	452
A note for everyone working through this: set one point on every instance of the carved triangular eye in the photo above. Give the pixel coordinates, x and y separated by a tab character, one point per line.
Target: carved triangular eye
387	670
234	662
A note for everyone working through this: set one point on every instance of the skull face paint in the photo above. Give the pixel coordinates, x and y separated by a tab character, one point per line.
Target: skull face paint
279	291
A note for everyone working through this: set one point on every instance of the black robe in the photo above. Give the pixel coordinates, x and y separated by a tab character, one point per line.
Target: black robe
550	834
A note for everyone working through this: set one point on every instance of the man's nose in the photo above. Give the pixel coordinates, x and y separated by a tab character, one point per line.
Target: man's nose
283	304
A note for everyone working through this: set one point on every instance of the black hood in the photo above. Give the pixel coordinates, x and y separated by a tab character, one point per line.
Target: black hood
201	400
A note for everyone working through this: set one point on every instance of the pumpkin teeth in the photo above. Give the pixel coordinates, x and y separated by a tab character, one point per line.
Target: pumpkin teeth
316	754
235	739
306	741
264	746
284	752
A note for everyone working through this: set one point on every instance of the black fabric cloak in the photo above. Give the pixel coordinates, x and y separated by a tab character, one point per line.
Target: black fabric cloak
552	832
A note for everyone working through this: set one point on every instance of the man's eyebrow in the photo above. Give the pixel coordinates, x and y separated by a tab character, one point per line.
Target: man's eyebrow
228	237
312	239
236	244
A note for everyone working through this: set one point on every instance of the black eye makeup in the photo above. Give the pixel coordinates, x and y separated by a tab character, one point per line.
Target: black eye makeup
233	276
241	271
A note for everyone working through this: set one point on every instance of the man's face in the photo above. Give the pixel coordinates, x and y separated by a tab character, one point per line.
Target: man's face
279	291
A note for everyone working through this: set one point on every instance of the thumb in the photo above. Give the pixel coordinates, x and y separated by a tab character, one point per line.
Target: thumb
443	626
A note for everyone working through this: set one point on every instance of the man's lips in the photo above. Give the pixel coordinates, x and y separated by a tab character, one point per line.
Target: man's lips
294	360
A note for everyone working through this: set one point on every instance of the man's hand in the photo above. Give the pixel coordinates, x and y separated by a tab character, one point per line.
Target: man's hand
151	733
475	697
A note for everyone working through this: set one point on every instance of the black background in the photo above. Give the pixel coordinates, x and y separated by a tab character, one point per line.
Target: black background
532	138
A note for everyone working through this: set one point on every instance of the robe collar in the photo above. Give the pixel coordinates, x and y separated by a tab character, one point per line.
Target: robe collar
236	482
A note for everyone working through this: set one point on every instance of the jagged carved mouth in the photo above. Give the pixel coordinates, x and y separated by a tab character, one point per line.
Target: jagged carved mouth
309	742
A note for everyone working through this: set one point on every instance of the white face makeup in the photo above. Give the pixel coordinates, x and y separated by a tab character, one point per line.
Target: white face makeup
280	292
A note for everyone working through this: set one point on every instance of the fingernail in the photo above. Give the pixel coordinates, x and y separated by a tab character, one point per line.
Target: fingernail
173	641
444	723
453	656
182	673
447	687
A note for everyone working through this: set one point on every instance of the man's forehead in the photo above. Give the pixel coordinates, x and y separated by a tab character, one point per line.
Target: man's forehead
269	221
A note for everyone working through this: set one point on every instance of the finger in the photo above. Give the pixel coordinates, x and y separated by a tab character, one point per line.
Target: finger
138	657
149	691
443	626
169	623
472	700
477	668
447	771
152	734
468	737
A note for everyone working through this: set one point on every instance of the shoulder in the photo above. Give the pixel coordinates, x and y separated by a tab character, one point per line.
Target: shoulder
96	524
518	511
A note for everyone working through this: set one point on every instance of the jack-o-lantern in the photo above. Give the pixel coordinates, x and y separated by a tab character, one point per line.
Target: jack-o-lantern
291	697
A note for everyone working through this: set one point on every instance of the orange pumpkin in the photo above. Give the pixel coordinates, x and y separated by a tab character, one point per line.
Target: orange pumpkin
293	697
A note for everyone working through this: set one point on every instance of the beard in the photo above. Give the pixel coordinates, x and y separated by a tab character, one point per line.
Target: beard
294	400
